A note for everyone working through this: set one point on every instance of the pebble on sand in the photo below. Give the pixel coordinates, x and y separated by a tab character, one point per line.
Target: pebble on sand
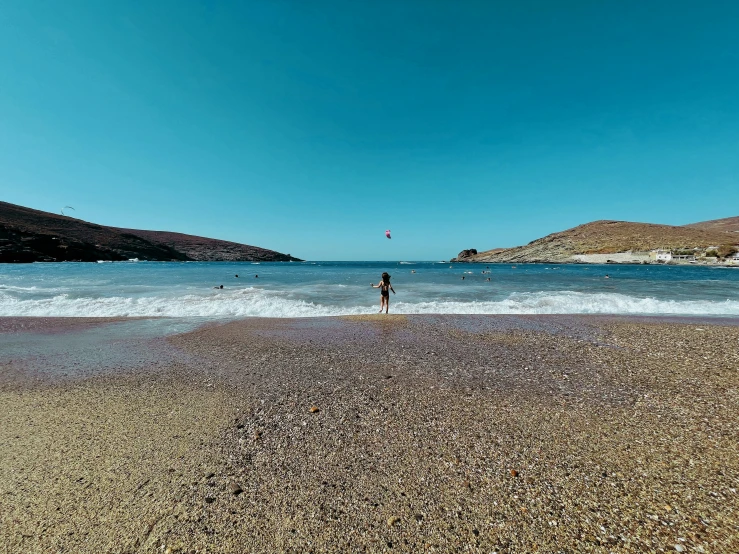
314	409
393	520
514	473
235	488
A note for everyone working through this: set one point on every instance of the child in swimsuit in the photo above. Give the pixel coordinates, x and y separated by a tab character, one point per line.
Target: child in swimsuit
385	288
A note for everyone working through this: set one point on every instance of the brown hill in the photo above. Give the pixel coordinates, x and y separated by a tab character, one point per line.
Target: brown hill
28	235
204	249
727	225
606	237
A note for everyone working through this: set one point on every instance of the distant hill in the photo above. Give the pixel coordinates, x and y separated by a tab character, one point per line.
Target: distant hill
606	237
28	235
727	225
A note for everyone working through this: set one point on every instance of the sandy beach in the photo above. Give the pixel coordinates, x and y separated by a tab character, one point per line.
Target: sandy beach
380	433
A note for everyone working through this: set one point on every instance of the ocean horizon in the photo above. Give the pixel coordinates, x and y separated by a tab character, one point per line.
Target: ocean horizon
325	288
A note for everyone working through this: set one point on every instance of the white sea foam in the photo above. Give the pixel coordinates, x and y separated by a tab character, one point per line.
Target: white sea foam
567	302
13	288
254	302
240	303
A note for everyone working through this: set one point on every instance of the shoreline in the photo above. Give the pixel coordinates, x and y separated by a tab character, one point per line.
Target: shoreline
606	262
31	324
430	433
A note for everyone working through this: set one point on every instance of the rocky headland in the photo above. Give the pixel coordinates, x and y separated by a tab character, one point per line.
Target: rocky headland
28	235
615	241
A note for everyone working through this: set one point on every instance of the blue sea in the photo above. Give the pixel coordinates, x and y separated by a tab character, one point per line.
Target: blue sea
307	289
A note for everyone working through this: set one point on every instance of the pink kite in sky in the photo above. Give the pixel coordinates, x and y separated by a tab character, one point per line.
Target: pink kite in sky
387	234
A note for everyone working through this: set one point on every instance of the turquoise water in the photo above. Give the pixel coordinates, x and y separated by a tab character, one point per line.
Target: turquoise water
342	288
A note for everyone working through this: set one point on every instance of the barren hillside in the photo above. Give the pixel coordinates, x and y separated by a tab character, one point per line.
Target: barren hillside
607	237
28	235
727	225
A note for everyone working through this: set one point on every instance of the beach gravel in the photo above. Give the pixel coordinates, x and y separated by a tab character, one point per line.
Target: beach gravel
411	434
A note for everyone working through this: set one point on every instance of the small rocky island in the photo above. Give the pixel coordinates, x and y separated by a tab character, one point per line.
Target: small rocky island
28	235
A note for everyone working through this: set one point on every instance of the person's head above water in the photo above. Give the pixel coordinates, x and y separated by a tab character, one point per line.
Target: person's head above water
385	277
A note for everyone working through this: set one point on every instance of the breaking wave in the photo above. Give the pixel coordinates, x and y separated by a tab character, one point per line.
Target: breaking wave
253	302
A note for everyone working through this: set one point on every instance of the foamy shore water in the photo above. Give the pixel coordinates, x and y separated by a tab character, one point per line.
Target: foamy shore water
335	289
260	303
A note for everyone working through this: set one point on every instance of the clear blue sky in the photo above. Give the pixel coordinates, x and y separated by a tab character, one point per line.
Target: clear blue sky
310	127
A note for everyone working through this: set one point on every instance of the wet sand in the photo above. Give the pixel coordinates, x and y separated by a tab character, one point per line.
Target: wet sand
400	433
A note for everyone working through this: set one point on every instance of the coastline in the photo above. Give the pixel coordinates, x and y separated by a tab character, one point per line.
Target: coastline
602	259
431	433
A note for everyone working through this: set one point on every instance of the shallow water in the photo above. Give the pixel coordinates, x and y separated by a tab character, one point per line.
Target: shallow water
85	350
185	290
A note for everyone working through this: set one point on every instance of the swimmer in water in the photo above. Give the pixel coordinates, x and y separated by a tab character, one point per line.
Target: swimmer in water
218	287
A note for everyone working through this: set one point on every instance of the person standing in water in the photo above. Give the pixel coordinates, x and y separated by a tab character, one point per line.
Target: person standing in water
385	288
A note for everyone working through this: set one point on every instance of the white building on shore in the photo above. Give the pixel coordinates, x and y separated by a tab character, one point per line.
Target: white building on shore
660	255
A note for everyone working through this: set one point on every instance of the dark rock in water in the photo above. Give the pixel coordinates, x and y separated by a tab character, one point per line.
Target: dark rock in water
466	254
